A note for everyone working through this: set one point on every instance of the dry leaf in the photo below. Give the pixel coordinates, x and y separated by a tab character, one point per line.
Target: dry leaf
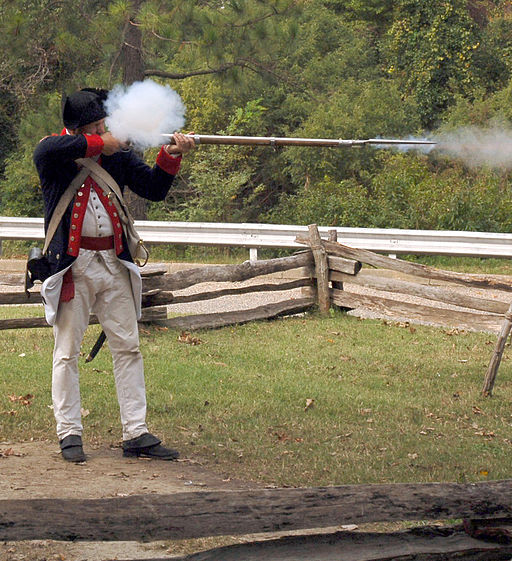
188	339
10	452
23	399
310	403
84	412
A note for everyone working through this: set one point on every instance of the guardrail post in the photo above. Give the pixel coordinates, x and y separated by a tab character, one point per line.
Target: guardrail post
253	254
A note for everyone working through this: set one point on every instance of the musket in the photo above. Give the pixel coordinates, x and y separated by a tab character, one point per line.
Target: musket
290	141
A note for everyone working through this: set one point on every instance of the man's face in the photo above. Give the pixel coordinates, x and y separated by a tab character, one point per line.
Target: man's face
98	127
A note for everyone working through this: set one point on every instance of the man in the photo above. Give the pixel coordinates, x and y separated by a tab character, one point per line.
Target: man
91	269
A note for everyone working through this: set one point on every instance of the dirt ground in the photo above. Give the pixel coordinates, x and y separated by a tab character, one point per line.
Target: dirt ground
32	470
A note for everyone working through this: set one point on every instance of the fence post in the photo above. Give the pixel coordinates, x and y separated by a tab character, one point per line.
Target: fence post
494	364
321	268
333	237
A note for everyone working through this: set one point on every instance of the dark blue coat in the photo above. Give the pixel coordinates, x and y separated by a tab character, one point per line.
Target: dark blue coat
55	157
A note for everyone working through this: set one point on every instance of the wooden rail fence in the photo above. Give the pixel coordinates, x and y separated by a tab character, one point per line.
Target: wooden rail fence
330	274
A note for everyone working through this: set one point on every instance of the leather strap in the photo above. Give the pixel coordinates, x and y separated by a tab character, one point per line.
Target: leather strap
62	205
105	180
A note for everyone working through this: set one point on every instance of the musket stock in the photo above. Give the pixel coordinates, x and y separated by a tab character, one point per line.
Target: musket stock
289	141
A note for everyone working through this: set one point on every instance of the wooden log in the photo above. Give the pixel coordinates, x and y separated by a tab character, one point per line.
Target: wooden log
321	269
228	273
444	294
23	323
348	266
148	314
426	314
12	279
19	298
157	297
494	364
221	319
268	287
416	269
214	513
417	544
153	313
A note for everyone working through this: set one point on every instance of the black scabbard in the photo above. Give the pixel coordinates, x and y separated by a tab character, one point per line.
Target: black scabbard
97	346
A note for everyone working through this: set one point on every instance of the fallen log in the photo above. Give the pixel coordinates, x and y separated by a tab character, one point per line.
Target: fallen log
415	269
214	513
407	311
221	319
417	544
444	294
228	273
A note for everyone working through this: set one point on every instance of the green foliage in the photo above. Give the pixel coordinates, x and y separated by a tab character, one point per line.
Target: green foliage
225	184
309	68
407	194
20	194
431	46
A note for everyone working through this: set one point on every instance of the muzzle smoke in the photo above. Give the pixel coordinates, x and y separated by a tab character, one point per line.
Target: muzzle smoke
490	148
140	113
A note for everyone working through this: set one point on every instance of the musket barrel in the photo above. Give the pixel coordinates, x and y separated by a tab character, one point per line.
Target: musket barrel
289	141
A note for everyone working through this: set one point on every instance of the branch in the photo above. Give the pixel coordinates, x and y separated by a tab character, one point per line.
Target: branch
180	76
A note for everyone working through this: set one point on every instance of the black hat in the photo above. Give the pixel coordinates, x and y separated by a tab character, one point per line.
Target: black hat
84	107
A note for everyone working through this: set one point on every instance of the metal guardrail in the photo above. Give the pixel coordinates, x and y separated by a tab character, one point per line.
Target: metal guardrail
254	236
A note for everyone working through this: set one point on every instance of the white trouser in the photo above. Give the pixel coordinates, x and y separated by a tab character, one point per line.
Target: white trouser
105	291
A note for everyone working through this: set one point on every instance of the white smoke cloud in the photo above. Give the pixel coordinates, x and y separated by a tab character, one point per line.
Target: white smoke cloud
491	147
142	112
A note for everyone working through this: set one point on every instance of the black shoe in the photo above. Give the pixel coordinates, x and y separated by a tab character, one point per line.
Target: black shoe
148	446
71	447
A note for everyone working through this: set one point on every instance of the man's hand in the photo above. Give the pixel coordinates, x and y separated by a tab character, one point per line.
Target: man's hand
110	144
182	144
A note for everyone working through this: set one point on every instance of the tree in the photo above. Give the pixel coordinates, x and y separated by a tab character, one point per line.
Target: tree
430	49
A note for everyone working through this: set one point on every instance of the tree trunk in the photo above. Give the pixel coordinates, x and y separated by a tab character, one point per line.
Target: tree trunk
132	61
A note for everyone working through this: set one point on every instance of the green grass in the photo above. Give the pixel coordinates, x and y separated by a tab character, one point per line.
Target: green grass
391	403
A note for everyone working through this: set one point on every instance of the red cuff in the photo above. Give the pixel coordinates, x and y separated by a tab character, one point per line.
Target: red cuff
94	145
169	164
